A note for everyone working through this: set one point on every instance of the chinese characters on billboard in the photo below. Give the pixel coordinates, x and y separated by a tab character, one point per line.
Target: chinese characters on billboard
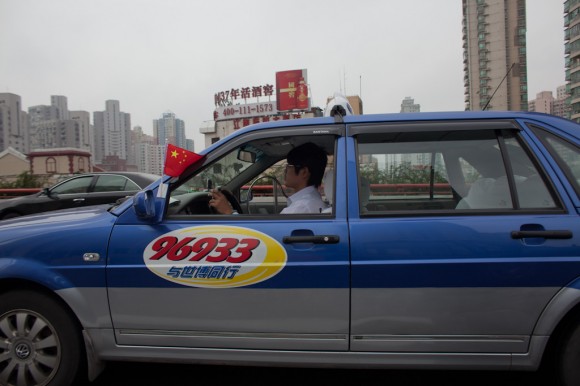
236	105
227	98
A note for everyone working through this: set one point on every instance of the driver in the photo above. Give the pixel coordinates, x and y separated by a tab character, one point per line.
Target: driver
304	171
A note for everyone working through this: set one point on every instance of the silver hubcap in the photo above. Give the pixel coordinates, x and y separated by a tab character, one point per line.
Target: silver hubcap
29	349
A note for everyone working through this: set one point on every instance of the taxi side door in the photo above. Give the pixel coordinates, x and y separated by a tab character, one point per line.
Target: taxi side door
250	281
460	238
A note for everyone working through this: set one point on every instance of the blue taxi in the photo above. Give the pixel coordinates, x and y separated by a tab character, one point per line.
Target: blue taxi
449	241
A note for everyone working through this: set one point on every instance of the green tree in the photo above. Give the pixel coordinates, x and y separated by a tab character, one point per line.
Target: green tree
24	180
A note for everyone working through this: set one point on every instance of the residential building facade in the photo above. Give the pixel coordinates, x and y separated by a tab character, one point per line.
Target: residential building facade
146	154
408	105
546	103
494	55
169	129
561	106
572	53
55	126
13	123
60	102
112	131
543	103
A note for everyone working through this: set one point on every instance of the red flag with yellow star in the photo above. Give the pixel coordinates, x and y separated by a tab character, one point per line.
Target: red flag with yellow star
178	159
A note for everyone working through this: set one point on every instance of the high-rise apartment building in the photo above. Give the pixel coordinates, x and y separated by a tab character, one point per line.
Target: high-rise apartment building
146	154
543	103
55	126
572	53
169	129
41	113
61	104
561	106
112	130
149	157
408	105
546	103
85	135
494	55
13	123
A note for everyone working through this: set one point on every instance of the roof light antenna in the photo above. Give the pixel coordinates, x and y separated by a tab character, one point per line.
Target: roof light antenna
338	107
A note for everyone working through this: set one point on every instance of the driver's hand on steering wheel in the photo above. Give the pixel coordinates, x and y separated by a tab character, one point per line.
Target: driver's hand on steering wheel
220	203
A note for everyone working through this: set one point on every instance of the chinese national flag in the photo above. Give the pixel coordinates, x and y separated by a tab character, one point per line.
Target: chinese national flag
178	159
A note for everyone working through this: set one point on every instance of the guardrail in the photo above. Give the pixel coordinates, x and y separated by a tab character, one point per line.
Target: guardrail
378	189
266	190
408	189
17	192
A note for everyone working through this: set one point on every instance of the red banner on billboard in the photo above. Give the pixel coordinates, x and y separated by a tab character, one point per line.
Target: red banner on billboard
292	90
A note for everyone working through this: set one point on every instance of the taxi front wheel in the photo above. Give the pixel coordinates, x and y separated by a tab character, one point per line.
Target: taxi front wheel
40	344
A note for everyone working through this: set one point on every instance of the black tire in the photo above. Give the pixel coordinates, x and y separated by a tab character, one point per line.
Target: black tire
40	344
568	360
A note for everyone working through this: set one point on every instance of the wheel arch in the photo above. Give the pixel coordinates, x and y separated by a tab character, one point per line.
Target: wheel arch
557	318
24	285
9	285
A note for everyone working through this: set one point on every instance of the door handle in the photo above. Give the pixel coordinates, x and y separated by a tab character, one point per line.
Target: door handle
321	239
78	200
542	234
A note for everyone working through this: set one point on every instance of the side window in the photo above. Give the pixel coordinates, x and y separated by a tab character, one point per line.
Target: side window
532	191
565	153
254	172
77	185
447	171
111	183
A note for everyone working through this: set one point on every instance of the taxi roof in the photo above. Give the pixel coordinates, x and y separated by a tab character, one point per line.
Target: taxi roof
570	127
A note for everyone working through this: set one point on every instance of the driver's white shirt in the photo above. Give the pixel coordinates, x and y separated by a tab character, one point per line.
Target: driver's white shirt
307	200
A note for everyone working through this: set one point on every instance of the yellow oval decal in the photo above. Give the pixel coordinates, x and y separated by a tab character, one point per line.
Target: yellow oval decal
215	256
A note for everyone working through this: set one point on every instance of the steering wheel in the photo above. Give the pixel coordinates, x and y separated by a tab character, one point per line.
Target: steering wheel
231	199
276	185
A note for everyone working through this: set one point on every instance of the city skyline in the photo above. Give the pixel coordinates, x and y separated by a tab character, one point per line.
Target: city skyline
402	50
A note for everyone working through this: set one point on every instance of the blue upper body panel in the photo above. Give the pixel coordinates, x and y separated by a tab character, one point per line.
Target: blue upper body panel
49	248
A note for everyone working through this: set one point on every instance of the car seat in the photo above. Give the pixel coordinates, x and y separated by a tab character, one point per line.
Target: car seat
328	186
365	194
487	193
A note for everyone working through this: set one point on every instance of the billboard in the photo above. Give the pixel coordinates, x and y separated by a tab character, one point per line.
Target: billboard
244	111
292	90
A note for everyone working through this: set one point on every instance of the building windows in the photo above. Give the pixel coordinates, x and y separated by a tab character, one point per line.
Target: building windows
50	165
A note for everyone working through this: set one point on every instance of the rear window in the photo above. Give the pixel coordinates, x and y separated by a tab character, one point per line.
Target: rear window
471	170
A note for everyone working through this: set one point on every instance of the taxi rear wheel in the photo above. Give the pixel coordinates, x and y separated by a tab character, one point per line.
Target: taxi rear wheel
40	344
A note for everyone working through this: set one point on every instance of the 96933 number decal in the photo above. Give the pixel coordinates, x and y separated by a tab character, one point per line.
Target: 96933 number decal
214	250
215	256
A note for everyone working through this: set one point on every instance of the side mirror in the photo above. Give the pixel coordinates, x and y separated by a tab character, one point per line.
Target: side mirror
247	156
144	204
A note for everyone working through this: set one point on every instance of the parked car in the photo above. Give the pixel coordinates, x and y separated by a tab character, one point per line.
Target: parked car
81	190
451	241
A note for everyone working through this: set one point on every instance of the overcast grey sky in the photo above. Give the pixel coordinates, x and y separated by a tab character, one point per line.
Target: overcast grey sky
160	55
